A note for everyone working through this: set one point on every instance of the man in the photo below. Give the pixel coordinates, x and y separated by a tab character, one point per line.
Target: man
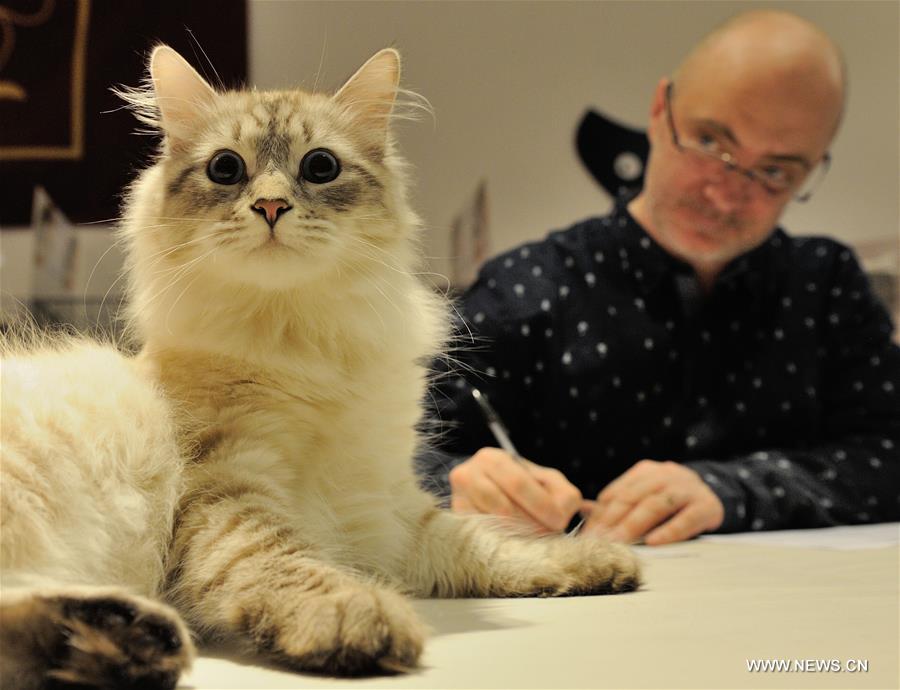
682	365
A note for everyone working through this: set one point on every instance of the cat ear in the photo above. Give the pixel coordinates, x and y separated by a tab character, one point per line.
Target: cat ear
370	93
182	95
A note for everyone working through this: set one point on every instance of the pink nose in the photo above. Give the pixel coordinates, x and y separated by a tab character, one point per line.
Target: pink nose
271	209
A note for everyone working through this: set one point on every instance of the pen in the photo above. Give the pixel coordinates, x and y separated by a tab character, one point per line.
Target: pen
495	425
502	435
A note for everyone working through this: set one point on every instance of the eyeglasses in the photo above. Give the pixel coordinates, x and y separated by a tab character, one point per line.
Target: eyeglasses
775	178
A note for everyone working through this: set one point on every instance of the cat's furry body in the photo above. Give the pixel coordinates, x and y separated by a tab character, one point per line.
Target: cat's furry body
293	349
89	482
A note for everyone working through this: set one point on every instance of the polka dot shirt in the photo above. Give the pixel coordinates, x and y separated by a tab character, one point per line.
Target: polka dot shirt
781	387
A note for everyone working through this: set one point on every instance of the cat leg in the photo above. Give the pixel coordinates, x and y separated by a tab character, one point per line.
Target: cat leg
456	555
239	567
90	638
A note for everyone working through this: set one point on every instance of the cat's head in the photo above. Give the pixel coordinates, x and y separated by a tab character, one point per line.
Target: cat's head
271	189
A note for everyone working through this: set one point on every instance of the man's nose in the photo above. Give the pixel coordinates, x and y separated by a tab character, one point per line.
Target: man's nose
271	209
727	189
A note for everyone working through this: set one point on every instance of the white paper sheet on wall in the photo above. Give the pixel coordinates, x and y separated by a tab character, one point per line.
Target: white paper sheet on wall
55	249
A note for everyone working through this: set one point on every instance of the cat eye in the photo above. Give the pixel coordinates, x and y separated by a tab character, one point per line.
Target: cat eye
319	166
226	167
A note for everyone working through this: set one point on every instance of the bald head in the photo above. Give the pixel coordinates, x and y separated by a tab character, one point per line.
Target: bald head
772	57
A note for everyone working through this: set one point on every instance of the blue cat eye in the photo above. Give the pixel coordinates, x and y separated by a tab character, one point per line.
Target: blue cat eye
319	166
226	167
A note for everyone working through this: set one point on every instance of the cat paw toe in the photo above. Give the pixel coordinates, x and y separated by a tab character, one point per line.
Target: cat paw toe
118	642
362	631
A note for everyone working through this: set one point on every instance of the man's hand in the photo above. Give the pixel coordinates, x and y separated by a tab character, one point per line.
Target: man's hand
663	502
494	482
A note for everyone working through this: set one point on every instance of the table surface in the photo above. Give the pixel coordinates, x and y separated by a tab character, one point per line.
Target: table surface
708	608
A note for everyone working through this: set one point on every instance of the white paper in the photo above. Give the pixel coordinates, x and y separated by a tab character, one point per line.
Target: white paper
841	538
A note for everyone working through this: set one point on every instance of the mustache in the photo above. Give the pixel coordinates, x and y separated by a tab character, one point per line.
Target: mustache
729	221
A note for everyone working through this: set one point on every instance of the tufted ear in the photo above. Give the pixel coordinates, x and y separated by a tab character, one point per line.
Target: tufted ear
370	93
182	95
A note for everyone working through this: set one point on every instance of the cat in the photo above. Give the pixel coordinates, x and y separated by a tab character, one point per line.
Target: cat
286	340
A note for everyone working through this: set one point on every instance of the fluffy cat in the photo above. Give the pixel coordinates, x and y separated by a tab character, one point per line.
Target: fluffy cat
286	339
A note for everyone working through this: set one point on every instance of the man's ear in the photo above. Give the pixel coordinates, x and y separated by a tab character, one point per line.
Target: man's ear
658	114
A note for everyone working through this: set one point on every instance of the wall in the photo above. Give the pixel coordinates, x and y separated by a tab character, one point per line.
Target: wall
510	80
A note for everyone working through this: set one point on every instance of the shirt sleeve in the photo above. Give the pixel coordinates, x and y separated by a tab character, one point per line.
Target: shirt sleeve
491	349
852	473
432	466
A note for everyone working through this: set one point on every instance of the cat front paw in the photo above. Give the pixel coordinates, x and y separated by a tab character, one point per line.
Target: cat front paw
607	569
359	630
98	641
586	566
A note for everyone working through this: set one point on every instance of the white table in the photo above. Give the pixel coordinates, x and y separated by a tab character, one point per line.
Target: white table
708	607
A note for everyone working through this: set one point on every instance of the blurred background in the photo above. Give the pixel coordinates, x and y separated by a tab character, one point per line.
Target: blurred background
497	164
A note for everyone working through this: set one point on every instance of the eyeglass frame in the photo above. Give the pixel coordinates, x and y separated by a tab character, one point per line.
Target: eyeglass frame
820	169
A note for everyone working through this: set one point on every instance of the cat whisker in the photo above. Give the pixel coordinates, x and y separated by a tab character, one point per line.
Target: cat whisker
170	250
394	268
196	43
115	243
228	241
177	300
462	320
102	221
367	275
178	269
321	59
376	311
183	271
373	259
105	295
200	219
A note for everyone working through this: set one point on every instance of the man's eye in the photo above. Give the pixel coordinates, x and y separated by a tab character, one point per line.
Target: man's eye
777	175
709	143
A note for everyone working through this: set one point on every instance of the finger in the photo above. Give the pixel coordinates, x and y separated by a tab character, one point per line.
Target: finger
687	523
487	497
460	503
505	474
632	485
694	519
646	515
565	494
610	491
473	491
610	515
523	489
